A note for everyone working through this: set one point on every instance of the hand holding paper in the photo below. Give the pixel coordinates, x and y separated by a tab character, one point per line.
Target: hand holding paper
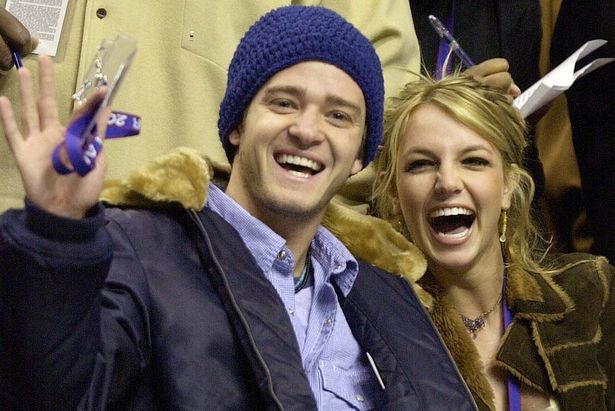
559	79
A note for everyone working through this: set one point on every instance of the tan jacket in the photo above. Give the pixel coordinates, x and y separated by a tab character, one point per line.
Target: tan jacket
179	75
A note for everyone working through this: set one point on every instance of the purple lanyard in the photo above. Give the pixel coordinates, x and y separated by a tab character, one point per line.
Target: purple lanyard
443	48
514	391
82	143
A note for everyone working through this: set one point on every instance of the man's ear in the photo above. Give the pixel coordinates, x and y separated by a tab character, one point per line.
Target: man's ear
356	166
235	136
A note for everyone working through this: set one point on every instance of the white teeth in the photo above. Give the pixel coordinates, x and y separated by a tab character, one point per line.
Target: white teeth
455	235
450	211
298	161
299	174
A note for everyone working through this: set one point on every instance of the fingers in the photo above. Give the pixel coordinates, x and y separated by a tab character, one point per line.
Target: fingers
91	102
500	81
15	34
488	67
7	118
90	106
6	59
102	118
514	90
494	73
47	106
29	112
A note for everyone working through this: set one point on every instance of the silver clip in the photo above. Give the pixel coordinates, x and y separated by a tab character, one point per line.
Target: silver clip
376	372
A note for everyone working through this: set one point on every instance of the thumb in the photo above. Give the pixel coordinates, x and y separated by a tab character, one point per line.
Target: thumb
102	119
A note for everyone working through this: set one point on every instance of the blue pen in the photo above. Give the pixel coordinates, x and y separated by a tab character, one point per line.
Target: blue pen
16	59
452	43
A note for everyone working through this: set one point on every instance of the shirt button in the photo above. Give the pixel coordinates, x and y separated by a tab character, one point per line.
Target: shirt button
360	398
291	312
338	267
328	321
101	13
282	255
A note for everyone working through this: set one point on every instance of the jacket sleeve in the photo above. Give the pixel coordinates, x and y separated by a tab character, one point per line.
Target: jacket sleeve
54	304
388	25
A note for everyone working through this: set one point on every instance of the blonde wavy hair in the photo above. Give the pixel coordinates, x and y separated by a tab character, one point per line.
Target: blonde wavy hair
489	113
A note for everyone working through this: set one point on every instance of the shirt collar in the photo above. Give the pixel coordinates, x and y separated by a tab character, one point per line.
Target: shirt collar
263	242
265	245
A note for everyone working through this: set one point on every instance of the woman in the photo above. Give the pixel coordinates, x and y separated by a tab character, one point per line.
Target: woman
449	175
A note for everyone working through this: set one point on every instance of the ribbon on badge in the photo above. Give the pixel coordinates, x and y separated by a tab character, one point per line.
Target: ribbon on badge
82	144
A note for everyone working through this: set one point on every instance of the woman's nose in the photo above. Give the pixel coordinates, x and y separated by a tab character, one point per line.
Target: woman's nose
448	181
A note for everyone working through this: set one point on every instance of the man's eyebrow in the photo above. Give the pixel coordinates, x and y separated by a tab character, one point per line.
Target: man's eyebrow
292	90
331	99
338	101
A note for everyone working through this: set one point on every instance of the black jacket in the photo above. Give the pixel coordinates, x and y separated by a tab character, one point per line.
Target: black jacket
166	309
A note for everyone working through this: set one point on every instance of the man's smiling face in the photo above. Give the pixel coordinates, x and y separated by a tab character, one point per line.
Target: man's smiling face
299	141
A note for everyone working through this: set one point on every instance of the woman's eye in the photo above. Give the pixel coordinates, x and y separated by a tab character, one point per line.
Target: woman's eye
476	162
418	165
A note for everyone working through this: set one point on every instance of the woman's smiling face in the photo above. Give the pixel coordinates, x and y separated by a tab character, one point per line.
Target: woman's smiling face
450	191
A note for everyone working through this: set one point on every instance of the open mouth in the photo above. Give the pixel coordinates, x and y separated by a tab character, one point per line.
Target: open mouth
452	222
298	166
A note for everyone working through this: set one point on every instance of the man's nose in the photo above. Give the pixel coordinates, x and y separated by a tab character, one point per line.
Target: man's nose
307	127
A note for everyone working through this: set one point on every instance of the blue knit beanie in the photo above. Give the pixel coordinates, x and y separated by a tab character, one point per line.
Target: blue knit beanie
290	35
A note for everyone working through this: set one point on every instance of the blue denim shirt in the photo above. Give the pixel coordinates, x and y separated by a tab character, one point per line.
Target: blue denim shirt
336	367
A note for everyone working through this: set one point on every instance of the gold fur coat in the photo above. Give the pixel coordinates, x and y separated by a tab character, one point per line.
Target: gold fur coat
561	342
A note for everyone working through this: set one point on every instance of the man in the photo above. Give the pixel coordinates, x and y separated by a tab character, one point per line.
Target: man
247	303
591	107
184	50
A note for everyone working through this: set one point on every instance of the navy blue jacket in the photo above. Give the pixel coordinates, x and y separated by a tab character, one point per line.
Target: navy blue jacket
167	309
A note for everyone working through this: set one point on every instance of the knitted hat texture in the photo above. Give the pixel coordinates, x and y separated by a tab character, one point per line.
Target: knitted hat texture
294	34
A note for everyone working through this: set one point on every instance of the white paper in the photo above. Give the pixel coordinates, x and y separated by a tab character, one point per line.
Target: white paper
43	18
559	79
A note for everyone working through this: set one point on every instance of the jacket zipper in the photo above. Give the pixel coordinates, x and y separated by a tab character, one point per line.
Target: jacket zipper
448	353
194	216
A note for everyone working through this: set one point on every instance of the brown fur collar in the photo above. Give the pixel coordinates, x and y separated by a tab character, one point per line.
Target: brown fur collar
180	177
531	348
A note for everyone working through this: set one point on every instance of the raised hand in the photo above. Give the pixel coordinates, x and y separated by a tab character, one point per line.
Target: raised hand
494	73
41	131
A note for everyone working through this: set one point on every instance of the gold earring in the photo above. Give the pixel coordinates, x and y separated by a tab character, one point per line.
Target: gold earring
399	224
504	223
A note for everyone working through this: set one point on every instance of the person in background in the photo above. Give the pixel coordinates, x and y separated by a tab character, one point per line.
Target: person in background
591	108
492	30
203	297
523	324
177	80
